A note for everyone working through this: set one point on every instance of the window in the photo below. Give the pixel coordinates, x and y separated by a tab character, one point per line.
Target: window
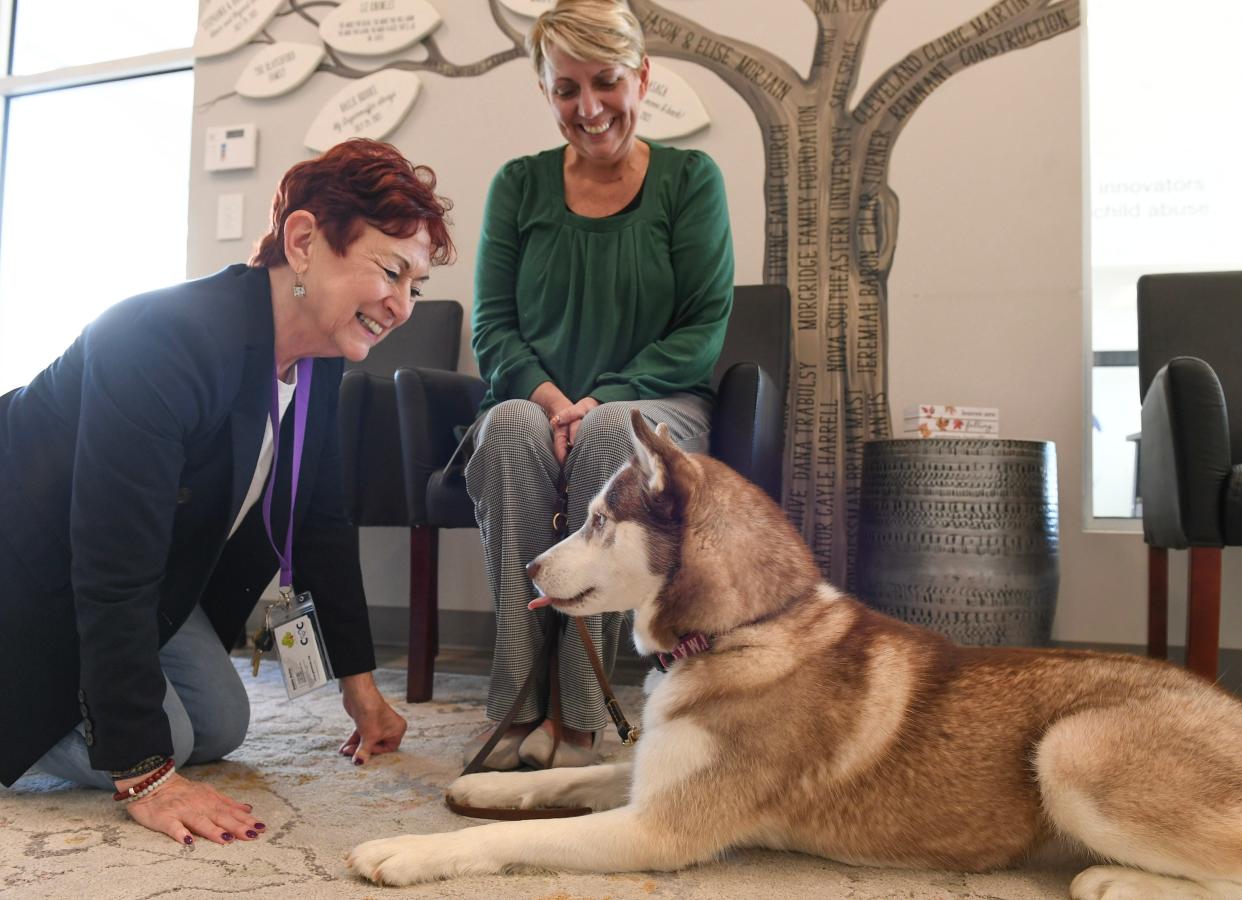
1166	190
98	102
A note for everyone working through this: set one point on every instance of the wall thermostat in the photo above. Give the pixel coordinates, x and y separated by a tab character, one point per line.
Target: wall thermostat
230	147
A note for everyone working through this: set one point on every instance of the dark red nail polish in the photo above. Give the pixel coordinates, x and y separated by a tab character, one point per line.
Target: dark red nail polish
251	833
259	825
357	761
226	836
188	839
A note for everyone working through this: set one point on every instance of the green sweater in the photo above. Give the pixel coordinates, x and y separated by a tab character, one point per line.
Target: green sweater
626	307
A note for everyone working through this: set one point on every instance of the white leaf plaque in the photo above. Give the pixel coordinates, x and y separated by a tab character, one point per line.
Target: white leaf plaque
226	25
529	8
375	27
278	69
370	107
671	108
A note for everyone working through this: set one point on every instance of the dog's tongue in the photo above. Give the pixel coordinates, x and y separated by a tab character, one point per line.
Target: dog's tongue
539	601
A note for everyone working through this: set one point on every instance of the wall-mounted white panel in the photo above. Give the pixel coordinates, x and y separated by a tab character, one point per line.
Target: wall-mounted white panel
230	147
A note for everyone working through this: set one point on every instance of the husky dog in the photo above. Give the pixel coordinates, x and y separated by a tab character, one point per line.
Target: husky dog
809	722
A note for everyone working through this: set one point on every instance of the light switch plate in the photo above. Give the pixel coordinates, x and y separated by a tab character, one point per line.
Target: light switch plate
229	208
230	147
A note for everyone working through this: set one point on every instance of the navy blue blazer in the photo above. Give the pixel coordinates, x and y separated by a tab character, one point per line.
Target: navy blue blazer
122	467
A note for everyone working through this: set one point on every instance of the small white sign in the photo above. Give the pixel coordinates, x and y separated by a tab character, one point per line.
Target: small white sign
529	8
671	108
376	27
226	25
370	108
278	69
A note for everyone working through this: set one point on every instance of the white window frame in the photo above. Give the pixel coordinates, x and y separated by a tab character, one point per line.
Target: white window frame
178	60
1091	522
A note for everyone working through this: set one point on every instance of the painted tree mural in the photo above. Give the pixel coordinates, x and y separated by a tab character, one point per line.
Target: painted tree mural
831	216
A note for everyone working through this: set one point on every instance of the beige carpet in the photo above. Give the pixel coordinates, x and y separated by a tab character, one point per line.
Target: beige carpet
60	842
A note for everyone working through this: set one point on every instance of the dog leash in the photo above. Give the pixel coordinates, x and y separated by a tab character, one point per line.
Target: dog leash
547	661
627	732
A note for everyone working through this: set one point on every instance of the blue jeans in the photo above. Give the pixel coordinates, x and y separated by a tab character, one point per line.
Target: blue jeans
204	699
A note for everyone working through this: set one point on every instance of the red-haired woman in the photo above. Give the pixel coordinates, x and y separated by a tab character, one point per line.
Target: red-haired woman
138	521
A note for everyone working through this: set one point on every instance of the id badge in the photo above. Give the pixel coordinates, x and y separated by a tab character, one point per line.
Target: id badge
299	645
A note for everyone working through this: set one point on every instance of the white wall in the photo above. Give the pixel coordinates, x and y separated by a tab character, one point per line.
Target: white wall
986	292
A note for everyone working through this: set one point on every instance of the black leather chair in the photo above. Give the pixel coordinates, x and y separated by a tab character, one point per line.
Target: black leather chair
434	407
1190	462
370	441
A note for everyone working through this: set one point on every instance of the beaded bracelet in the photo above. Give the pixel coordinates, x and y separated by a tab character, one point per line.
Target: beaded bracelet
159	776
151	788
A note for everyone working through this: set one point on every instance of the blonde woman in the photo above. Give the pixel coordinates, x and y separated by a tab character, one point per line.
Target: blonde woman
604	283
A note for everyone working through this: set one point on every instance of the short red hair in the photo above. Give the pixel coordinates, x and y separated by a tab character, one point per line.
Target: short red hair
358	182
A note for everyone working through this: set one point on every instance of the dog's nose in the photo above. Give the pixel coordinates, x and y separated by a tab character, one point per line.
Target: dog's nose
532	569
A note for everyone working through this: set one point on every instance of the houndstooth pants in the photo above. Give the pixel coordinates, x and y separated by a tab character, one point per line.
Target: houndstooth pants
512	477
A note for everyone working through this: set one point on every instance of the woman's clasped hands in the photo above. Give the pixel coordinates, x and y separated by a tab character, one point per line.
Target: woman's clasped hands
564	416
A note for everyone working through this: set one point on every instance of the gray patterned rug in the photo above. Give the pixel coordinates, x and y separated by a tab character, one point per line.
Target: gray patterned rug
60	842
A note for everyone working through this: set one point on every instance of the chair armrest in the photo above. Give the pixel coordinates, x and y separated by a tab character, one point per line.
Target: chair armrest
370	450
1185	463
431	403
748	425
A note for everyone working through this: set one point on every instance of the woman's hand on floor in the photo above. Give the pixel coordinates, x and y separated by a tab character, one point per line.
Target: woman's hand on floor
182	808
378	727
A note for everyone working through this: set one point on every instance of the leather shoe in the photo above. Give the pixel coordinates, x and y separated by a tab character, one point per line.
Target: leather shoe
504	755
536	751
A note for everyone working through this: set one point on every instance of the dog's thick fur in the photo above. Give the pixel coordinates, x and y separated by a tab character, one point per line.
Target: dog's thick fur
815	724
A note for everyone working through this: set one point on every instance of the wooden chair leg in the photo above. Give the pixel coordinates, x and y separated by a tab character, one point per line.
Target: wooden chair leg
424	620
1203	612
1158	602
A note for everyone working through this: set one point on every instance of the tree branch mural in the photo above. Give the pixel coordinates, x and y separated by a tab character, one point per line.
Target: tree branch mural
831	217
832	221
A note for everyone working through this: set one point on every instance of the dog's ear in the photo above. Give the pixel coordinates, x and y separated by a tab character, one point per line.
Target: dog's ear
656	454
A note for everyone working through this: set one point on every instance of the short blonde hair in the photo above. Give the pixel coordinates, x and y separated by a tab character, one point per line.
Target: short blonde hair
589	30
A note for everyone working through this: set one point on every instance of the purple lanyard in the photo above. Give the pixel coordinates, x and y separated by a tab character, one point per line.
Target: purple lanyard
301	400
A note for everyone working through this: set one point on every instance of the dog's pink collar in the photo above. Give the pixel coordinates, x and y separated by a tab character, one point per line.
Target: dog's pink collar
689	645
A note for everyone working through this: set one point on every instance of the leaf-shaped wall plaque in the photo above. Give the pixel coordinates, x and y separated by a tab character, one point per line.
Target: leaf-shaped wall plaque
671	108
278	69
375	27
529	8
228	24
370	107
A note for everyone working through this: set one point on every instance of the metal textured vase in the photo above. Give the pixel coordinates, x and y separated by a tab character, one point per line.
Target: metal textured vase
960	536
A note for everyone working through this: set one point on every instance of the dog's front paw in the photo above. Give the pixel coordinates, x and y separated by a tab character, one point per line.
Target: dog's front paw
497	790
1121	883
399	861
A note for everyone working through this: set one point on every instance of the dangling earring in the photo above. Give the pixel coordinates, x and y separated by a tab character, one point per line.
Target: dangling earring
299	289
